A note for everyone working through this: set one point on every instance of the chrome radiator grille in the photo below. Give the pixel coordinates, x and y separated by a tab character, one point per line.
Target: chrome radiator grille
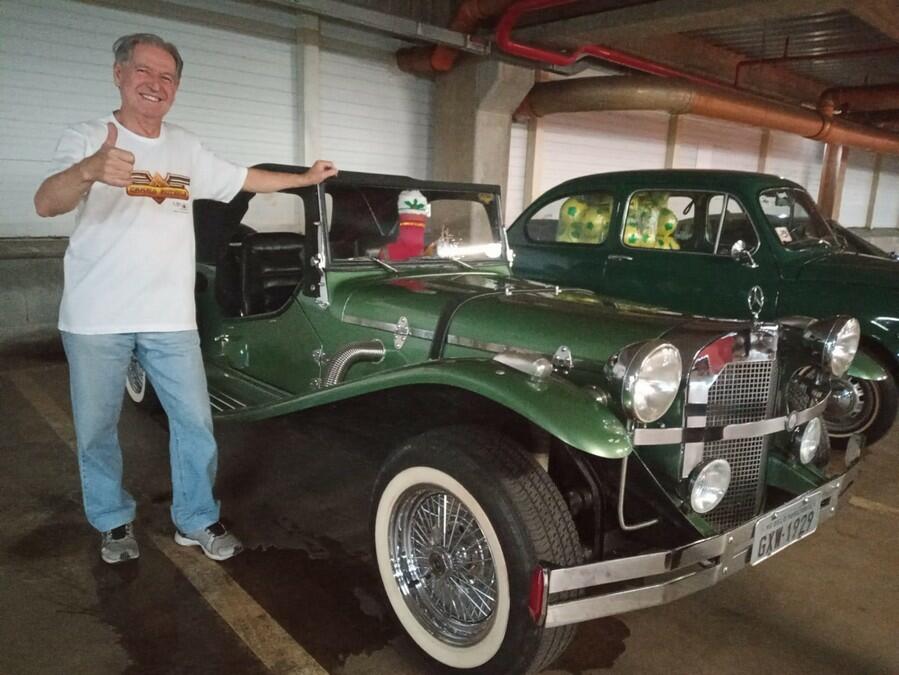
743	392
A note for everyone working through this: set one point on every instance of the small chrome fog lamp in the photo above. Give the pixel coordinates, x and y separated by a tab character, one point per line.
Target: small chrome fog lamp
807	442
709	484
836	340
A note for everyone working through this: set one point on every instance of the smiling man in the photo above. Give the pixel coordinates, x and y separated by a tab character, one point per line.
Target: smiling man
131	179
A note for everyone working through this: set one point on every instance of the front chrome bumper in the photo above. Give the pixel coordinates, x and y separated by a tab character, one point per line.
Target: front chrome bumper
626	584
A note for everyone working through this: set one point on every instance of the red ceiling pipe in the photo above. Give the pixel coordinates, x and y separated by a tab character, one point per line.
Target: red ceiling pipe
507	44
811	57
441	59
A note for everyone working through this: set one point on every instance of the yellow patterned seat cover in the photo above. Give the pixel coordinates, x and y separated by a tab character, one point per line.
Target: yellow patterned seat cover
584	220
650	223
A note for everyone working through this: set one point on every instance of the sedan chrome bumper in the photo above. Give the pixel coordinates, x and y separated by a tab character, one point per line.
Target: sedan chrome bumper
626	584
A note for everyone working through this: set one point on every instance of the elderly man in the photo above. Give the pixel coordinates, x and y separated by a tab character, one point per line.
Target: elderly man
131	178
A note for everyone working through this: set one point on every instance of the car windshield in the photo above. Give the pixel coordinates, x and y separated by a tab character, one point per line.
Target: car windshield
795	218
398	224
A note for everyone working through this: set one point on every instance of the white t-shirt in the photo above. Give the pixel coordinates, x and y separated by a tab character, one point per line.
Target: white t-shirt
129	266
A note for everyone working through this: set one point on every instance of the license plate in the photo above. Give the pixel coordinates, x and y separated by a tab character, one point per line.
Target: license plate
785	526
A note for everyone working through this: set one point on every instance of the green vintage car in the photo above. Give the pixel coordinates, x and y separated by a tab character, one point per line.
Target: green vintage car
577	457
726	244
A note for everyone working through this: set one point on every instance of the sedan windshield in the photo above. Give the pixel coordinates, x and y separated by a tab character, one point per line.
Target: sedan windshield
397	224
795	218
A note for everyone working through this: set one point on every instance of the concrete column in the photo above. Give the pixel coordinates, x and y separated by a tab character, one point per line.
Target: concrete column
764	146
474	107
308	78
671	142
533	167
872	197
829	172
841	182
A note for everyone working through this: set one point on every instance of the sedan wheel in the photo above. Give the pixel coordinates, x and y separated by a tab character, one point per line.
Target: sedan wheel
859	406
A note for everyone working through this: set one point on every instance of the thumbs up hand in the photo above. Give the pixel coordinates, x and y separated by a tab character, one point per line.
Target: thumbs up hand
110	165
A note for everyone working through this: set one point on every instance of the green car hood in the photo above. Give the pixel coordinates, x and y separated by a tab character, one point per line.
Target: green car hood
492	313
851	268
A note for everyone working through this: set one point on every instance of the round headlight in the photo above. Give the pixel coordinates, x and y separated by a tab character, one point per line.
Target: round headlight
836	340
709	485
841	345
809	441
652	380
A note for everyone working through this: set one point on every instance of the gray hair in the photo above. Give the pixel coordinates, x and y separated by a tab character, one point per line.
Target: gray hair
123	48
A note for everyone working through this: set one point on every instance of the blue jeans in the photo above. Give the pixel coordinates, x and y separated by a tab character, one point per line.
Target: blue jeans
97	369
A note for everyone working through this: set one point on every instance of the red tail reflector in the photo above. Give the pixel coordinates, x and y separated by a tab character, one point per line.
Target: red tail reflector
537	595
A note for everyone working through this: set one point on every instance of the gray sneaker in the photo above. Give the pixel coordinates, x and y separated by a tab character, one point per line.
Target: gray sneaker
217	543
119	545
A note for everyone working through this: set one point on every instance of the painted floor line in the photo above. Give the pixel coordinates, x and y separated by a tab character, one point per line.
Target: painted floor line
60	420
260	632
870	505
264	636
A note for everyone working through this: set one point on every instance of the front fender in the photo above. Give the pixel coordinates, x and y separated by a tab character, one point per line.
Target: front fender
866	368
565	410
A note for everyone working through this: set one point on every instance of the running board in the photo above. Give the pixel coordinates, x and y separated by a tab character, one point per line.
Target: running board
233	392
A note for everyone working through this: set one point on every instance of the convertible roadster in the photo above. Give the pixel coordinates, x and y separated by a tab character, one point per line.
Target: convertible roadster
585	457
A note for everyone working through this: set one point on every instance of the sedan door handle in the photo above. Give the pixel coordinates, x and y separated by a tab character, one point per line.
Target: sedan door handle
619	256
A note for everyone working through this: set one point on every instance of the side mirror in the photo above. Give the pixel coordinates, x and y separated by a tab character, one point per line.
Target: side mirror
739	253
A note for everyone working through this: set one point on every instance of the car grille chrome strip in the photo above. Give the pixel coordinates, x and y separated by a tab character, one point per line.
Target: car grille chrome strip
677	435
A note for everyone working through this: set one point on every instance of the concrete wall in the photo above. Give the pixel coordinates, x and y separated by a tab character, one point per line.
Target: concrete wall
30	290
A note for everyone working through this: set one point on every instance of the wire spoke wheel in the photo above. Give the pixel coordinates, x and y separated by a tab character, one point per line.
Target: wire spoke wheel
136	381
462	517
442	562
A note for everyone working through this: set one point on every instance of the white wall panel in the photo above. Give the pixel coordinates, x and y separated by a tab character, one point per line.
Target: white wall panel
856	189
796	158
374	117
582	143
886	206
704	143
515	187
238	92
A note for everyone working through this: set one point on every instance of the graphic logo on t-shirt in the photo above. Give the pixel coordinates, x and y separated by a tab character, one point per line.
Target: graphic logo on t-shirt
157	188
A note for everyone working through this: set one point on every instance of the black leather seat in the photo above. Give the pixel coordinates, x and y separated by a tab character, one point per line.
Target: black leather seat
271	265
228	285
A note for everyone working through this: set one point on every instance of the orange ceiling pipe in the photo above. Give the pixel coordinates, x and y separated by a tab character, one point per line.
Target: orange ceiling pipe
859	99
679	97
441	59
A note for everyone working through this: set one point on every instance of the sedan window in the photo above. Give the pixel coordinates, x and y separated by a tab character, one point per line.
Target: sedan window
578	219
726	224
687	221
792	214
665	220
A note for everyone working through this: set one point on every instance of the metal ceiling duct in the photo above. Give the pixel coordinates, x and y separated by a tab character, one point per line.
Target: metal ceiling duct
680	97
441	59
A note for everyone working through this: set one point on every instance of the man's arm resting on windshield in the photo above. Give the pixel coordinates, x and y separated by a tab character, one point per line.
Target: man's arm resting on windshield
260	180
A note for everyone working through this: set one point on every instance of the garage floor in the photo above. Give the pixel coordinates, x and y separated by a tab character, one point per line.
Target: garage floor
305	599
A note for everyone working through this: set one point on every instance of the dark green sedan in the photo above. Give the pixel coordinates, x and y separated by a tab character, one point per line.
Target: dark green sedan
723	244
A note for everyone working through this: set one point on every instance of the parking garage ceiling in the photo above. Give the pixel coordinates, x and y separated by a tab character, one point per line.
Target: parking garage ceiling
791	50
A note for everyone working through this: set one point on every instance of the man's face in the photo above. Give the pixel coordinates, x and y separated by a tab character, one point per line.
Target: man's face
147	82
